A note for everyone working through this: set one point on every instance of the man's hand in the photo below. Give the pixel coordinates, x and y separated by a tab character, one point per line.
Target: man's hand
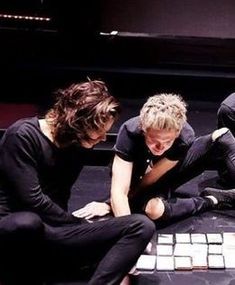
92	210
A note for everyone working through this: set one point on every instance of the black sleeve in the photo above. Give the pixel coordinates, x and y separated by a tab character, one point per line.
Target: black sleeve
124	146
19	166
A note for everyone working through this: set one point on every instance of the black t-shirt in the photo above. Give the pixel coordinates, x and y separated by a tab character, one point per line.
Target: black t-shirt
36	175
130	146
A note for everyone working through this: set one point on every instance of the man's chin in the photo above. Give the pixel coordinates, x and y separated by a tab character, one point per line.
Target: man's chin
88	146
158	153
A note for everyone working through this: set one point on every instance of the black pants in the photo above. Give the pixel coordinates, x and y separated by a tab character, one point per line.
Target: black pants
113	245
204	154
226	113
21	237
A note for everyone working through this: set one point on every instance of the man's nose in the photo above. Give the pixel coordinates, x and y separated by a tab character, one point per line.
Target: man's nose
104	138
160	146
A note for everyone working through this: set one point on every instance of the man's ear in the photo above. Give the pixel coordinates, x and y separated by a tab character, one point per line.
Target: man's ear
178	133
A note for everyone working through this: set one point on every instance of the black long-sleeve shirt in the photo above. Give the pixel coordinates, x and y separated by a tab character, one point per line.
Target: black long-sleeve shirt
36	175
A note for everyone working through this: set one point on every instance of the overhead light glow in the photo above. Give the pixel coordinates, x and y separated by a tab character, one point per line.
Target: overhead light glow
24	17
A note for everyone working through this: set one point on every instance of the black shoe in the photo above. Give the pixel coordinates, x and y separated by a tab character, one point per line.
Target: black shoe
225	198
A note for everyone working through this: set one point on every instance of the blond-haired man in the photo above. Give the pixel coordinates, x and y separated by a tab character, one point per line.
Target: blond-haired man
156	152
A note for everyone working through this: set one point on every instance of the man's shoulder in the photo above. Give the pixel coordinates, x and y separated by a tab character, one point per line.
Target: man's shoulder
22	127
132	125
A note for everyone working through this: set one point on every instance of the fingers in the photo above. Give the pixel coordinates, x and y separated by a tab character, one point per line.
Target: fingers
85	212
89	216
92	209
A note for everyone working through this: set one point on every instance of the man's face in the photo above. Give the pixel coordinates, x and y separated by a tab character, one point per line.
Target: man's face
159	141
97	136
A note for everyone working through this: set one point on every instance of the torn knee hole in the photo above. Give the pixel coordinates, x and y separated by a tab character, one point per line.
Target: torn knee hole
218	133
154	208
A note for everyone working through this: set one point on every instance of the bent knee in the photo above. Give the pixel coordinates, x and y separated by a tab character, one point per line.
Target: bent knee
154	208
26	221
218	133
145	223
225	111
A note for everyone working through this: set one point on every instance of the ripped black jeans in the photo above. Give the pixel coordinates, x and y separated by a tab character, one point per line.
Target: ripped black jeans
204	154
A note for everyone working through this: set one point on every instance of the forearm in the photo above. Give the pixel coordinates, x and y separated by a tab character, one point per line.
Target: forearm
120	206
32	198
47	209
144	184
51	213
154	174
20	169
121	178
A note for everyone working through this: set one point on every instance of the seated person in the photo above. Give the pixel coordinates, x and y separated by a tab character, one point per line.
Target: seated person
226	113
226	118
40	159
155	153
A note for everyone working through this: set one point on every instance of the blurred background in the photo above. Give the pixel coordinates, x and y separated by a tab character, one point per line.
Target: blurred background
138	47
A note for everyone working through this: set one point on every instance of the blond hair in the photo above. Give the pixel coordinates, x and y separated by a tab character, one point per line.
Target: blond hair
163	111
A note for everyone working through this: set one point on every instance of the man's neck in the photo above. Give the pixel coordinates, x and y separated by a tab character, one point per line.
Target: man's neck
46	129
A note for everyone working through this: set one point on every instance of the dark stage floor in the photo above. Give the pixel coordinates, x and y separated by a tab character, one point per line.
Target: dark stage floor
94	181
202	116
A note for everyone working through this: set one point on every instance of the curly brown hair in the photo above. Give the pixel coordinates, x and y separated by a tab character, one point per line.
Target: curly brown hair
79	109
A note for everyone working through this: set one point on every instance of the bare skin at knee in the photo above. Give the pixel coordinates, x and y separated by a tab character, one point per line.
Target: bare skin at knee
126	281
218	133
154	208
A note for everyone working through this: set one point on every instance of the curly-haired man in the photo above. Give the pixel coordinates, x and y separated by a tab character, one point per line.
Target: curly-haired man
40	159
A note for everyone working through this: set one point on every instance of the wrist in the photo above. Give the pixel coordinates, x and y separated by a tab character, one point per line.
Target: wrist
108	207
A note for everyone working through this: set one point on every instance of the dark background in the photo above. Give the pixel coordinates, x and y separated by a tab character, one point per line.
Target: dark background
183	46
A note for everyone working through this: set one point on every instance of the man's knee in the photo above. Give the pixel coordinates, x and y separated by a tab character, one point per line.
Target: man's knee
20	232
155	208
217	134
224	112
225	145
25	222
144	223
225	142
226	117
